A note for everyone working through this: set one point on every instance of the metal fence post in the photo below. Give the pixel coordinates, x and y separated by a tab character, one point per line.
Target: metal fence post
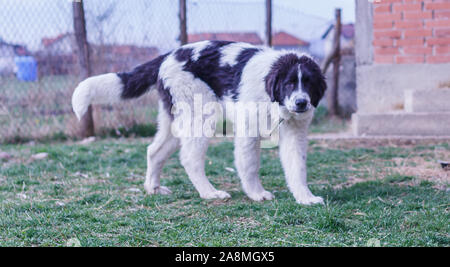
183	23
268	23
79	25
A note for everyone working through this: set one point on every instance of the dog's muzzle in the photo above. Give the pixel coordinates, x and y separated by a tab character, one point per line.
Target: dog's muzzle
301	105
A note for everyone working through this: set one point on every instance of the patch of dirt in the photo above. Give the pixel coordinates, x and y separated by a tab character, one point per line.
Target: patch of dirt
347	141
244	222
423	170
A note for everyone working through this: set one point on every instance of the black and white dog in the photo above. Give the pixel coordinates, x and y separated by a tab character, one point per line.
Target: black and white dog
224	72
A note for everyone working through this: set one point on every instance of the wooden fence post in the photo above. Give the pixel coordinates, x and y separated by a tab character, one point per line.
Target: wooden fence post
333	95
183	23
268	23
79	25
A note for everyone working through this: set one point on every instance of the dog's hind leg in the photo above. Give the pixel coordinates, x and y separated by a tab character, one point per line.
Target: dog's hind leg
247	160
192	157
164	145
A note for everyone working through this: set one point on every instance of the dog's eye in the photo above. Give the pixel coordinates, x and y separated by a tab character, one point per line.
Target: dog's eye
305	79
290	86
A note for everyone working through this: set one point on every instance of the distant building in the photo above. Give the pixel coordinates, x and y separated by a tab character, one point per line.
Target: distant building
116	58
7	54
62	44
283	40
59	56
248	37
322	47
347	38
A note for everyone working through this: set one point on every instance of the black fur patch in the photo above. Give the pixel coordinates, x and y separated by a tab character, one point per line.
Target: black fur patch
165	97
223	80
282	79
138	81
183	54
313	81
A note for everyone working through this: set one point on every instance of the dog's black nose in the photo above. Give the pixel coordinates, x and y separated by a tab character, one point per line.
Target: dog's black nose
301	104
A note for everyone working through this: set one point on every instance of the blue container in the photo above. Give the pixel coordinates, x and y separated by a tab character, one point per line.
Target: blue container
26	68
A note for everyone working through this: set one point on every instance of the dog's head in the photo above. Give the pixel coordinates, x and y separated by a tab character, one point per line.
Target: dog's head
296	83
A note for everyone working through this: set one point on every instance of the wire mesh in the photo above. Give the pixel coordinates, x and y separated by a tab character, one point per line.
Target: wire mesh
39	66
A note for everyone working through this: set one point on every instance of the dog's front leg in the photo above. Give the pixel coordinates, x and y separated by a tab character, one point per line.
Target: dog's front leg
293	148
247	152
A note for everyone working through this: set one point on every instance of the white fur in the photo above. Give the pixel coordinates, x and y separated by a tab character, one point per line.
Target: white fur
293	150
197	48
252	86
183	89
102	89
290	104
247	160
231	52
164	144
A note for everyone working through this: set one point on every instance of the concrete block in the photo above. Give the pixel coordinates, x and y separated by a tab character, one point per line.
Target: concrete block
436	100
380	87
401	124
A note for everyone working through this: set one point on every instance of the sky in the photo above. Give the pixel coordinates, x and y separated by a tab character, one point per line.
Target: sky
320	8
155	22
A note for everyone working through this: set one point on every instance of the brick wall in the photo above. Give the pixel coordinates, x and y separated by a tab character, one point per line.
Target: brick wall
411	31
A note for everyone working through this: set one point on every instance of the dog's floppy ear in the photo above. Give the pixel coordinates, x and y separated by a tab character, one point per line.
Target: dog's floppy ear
272	85
313	79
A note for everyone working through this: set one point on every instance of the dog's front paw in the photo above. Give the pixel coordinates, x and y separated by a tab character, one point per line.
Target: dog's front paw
309	200
215	195
264	195
162	190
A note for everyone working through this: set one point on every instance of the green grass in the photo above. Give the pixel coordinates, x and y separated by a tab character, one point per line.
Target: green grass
94	194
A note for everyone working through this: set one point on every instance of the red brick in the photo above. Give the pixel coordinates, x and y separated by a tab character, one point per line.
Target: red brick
418	50
381	2
386	51
410	59
414	24
442	32
389	33
437	23
383	8
407	7
418	33
380	17
382	25
442	14
417	15
383	42
410	42
443	49
438	41
384	59
433	6
438	59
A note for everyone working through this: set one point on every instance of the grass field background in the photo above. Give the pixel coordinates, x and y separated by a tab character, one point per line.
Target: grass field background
387	196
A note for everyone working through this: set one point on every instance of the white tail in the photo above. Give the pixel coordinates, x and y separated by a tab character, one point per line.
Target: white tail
102	89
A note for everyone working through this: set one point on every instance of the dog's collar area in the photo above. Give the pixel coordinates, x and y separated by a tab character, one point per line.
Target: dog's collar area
278	125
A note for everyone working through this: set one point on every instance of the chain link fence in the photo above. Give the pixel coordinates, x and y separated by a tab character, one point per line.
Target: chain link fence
39	66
